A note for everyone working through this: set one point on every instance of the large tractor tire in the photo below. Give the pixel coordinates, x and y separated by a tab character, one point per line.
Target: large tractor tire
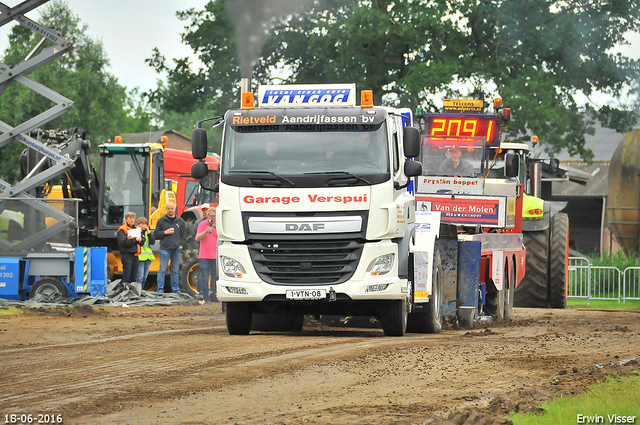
189	271
192	226
533	289
49	289
559	261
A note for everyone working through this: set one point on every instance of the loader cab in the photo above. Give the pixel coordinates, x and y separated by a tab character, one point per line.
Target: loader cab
133	178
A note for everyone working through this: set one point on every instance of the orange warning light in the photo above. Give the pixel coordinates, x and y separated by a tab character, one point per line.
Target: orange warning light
247	100
366	99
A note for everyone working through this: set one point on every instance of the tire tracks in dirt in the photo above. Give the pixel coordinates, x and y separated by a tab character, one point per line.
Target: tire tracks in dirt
191	371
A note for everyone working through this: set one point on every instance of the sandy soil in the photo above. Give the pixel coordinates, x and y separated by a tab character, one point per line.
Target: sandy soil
177	364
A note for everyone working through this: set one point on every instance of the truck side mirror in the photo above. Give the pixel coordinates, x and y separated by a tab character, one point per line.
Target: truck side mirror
412	168
199	144
554	164
411	136
199	170
511	164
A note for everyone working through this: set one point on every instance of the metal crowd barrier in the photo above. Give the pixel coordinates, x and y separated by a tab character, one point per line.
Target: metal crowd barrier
590	282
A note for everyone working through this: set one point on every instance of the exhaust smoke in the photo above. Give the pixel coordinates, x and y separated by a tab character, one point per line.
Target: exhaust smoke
253	20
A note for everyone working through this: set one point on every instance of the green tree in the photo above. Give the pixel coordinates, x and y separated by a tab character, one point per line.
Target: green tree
539	55
102	106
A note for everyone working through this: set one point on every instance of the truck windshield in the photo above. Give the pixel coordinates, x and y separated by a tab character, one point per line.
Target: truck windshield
124	190
452	156
294	153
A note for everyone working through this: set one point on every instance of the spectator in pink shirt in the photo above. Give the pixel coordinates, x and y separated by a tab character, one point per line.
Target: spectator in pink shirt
207	235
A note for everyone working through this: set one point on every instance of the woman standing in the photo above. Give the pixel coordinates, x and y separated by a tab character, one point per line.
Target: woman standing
146	256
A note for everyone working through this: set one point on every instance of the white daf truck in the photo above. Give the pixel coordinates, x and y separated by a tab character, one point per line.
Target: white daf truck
314	215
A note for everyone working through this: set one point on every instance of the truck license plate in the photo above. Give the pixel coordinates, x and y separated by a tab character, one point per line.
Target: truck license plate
306	294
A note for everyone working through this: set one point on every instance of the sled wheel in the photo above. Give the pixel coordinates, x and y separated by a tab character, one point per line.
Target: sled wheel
494	303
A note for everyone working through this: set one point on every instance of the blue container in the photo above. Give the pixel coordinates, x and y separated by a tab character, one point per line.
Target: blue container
98	285
469	253
10	278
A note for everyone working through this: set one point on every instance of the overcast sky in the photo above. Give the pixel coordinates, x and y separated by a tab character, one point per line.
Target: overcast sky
131	29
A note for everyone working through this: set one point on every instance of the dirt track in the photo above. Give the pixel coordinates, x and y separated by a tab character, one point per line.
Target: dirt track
177	364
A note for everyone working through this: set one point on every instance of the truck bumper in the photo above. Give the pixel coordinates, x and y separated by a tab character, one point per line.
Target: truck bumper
360	287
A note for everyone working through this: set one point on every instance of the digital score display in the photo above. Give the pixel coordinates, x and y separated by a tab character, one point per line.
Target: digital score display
485	127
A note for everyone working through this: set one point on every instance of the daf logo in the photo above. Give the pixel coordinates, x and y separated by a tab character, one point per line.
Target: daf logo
303	227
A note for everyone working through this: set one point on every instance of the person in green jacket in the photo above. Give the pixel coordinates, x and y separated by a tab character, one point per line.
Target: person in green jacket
146	255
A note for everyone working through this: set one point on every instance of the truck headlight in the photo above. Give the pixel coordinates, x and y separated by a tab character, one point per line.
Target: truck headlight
380	265
232	267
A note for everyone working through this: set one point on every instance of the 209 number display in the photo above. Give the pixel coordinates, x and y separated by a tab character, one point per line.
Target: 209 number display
463	127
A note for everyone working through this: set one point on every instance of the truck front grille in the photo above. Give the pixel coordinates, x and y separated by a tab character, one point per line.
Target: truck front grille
305	262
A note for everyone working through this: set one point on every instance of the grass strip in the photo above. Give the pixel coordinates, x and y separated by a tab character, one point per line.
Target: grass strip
10	311
613	401
605	304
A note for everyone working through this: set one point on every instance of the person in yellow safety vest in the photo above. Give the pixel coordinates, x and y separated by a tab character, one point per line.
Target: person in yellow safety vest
11	225
129	240
146	255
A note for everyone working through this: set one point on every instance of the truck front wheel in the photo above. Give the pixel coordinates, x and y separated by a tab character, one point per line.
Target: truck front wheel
394	318
238	317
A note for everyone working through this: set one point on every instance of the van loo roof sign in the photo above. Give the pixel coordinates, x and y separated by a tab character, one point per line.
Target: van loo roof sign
302	96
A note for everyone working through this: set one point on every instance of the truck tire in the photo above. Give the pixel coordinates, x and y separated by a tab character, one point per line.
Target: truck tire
273	322
429	320
189	271
533	289
559	261
394	318
50	288
238	317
